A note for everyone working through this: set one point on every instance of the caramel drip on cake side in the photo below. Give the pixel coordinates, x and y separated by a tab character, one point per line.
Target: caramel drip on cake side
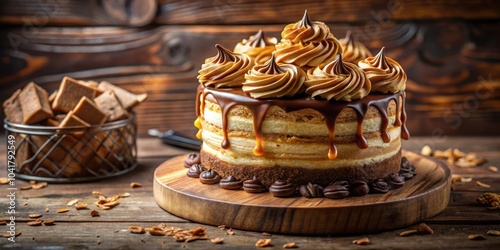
228	98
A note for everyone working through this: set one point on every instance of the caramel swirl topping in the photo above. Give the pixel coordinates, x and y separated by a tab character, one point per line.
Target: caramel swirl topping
385	74
226	69
307	44
353	51
337	80
258	47
274	80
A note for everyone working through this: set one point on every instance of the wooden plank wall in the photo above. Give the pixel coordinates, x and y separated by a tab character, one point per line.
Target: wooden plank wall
449	49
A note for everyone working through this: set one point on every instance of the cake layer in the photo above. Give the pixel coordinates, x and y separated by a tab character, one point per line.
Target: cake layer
301	176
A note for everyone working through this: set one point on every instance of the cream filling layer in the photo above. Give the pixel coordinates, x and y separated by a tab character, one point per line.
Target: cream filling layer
276	126
305	155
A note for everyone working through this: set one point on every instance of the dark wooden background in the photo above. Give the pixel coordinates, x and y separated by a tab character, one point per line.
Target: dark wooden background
449	49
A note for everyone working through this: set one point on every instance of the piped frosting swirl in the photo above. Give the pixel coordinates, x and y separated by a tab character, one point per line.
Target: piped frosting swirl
274	80
258	47
226	69
353	51
307	44
385	74
337	80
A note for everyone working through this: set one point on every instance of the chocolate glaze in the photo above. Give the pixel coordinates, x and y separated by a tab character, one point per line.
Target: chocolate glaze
230	97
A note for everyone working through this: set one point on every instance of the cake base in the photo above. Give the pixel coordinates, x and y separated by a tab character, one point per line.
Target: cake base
423	196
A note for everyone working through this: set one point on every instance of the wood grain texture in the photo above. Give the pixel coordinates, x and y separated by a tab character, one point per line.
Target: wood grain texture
452	67
265	12
34	13
420	198
462	217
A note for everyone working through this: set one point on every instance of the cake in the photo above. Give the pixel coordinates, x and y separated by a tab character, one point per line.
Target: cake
304	121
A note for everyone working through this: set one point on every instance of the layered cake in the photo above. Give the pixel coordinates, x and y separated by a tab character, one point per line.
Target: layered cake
304	120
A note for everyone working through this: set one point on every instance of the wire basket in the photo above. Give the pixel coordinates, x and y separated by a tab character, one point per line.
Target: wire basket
73	154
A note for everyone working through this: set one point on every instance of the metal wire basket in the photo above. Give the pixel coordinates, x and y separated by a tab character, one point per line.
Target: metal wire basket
73	154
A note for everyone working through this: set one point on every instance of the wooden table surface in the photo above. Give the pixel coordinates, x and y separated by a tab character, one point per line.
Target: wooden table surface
76	229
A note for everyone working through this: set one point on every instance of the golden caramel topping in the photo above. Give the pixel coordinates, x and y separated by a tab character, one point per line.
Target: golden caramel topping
337	80
385	74
274	80
258	47
353	51
226	69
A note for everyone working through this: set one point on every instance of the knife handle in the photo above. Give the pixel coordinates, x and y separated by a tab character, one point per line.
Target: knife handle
175	139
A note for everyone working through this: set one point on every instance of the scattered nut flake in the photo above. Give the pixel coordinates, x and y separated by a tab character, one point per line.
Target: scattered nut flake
217	240
39	185
263	243
72	202
34	216
26	187
3	222
81	206
8	235
36	222
94	213
136	229
493	169
482	184
426	150
290	245
4	180
96	193
156	231
62	210
493	232
476	237
230	231
48	222
266	234
46	210
124	195
98	242
222	227
32	182
362	241
408	233
197	231
135	184
111	204
423	228
466	179
103	207
25	204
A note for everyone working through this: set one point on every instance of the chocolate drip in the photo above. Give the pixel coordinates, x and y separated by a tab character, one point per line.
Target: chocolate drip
230	97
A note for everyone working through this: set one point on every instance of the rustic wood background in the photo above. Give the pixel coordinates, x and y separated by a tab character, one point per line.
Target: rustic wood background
449	49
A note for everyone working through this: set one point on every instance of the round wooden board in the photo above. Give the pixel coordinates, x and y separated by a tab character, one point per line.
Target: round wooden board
424	196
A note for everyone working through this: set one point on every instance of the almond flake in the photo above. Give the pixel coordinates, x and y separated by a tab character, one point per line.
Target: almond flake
156	232
35	223
290	245
48	222
200	231
230	231
4	180
476	237
111	204
26	187
493	169
135	184
426	150
466	179
32	182
39	185
217	240
136	229
481	184
46	210
263	243
423	228
266	234
362	241
94	213
62	210
34	216
408	233
72	202
124	195
96	192
81	206
493	232
103	207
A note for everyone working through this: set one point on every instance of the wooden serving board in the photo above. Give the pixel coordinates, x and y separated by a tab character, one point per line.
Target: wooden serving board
424	196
